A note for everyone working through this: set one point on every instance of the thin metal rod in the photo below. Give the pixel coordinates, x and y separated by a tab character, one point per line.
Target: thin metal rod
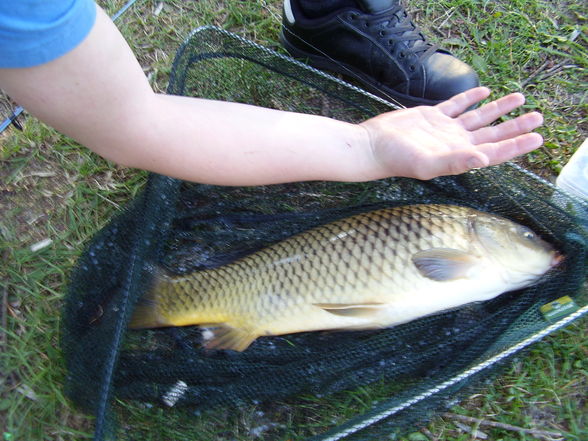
122	10
17	111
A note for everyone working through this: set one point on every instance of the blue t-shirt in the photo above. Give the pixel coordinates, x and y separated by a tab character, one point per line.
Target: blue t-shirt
33	32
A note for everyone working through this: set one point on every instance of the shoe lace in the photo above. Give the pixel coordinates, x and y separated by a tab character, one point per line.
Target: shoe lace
395	26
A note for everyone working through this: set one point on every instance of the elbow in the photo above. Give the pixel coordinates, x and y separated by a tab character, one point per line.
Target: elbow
129	146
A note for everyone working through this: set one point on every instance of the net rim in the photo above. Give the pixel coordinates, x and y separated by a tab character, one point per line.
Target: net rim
386	413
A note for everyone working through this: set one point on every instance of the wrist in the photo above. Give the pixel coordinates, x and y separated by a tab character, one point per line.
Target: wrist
378	161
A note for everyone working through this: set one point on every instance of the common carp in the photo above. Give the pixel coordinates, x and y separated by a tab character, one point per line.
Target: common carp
368	271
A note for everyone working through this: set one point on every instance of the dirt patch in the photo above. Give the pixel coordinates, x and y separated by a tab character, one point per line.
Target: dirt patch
30	189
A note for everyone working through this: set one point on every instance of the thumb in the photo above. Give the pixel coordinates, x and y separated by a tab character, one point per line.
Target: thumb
459	162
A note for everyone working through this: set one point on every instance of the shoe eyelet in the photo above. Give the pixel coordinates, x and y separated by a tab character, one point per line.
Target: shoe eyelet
412	67
382	33
402	55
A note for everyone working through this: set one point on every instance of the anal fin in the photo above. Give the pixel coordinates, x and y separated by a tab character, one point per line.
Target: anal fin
227	337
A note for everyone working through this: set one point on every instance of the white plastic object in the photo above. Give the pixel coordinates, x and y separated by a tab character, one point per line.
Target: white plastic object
573	178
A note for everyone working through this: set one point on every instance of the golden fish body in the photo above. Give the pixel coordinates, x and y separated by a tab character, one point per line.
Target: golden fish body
371	270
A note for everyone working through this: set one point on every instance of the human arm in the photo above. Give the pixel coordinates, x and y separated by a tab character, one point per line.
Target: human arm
98	95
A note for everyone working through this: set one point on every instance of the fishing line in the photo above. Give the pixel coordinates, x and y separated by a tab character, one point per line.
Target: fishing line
18	110
342	66
290	60
338	63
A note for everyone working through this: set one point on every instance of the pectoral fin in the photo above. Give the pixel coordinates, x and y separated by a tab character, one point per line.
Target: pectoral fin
352	310
443	264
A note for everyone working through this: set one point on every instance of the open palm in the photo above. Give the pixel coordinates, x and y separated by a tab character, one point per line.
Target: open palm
428	141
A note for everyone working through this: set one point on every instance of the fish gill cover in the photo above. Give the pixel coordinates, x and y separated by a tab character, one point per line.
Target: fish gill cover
184	227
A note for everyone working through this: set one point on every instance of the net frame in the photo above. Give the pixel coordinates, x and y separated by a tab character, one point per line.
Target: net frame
134	282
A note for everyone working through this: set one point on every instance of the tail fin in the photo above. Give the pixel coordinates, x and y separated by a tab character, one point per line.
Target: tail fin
147	313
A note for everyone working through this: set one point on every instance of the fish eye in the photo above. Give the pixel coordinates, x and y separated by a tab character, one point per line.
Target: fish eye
527	234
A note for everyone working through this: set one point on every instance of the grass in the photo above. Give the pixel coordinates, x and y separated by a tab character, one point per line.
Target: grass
51	188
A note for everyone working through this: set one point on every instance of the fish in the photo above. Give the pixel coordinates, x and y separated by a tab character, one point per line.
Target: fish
373	270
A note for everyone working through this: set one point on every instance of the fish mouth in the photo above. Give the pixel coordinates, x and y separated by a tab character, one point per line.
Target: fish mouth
557	258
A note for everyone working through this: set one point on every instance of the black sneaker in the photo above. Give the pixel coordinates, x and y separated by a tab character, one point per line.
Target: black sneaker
380	46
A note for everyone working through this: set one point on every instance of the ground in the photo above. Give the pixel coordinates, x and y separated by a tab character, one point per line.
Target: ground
54	195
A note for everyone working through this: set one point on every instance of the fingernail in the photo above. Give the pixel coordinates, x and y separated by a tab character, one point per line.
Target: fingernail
474	163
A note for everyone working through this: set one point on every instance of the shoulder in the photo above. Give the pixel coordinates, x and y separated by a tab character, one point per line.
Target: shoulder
37	31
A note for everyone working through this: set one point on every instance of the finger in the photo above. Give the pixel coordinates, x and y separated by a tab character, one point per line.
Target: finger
475	119
501	151
508	129
460	103
461	161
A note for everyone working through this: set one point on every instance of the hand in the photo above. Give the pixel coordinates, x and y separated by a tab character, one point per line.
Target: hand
429	141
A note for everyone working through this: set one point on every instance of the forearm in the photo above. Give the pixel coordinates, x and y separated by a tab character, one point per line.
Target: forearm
236	144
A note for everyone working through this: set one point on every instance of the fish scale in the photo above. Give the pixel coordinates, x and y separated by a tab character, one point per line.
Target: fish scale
367	271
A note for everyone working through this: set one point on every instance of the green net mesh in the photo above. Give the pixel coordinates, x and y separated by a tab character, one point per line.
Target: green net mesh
156	381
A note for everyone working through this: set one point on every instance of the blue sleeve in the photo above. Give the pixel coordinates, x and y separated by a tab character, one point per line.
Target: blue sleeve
33	32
